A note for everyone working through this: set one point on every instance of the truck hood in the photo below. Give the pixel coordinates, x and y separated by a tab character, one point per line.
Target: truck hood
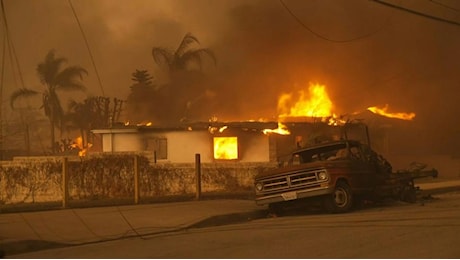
306	166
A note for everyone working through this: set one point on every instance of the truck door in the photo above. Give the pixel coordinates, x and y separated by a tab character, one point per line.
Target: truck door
365	174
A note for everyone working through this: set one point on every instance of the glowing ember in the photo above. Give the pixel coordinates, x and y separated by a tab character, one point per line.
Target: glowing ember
145	124
383	112
336	120
222	129
282	130
315	104
213	129
226	148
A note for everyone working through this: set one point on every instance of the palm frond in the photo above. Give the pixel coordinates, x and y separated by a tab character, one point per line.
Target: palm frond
48	69
162	56
185	44
195	57
207	52
66	79
69	72
23	92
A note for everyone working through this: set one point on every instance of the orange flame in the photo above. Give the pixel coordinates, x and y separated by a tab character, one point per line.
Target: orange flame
78	143
282	130
383	112
316	104
226	148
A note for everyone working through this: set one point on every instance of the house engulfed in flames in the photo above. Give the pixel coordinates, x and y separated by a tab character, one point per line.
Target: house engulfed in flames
235	141
304	119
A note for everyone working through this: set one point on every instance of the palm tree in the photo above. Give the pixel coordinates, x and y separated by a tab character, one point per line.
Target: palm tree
186	81
184	57
53	77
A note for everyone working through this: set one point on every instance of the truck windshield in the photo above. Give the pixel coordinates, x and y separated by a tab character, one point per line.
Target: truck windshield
325	153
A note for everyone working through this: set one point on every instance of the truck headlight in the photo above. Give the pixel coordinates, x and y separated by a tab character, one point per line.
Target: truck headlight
259	186
322	176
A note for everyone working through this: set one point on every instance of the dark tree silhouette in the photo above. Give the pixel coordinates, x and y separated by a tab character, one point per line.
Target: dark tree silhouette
184	58
143	98
92	113
53	77
186	85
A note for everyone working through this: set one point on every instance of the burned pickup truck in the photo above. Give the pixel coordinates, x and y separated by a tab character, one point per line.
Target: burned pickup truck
339	174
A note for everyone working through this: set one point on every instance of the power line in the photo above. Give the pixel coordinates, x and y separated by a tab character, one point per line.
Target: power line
444	5
439	19
11	49
87	46
324	37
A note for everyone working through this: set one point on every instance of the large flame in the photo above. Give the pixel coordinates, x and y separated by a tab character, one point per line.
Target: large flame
316	104
398	115
82	149
226	148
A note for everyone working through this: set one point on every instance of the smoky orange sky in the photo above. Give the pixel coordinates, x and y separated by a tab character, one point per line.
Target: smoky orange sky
406	61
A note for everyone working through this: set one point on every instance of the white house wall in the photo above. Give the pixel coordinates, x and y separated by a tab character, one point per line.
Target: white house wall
255	149
122	142
183	145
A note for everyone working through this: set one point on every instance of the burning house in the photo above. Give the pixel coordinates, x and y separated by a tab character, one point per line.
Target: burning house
303	119
308	120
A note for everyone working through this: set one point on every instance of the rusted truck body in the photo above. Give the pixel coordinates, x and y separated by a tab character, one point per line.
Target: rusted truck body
339	174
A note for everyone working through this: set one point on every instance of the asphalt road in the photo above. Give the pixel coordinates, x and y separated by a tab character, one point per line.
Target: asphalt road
396	230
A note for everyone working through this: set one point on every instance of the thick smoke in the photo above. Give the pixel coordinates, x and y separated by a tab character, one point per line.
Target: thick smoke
406	61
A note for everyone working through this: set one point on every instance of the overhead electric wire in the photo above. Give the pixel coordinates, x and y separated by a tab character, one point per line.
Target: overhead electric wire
11	45
401	8
87	46
322	36
1	96
444	5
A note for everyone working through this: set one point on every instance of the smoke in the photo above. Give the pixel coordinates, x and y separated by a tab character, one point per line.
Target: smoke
400	59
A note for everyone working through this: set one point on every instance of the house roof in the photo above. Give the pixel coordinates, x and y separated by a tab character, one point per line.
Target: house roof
197	126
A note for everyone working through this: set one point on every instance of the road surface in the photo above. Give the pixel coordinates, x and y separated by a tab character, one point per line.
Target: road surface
397	230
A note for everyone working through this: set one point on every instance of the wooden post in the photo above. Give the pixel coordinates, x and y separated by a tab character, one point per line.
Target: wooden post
136	179
65	183
198	175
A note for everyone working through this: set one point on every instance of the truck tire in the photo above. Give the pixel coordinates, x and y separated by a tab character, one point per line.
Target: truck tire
341	200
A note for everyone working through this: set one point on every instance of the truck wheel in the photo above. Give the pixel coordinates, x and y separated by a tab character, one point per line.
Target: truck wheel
340	200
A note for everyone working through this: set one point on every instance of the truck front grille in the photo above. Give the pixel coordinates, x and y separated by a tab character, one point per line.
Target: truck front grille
293	180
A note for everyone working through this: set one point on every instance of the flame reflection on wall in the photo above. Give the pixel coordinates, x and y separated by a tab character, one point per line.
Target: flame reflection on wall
226	148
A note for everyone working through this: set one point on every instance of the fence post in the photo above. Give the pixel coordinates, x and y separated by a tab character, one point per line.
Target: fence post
136	179
65	182
198	175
